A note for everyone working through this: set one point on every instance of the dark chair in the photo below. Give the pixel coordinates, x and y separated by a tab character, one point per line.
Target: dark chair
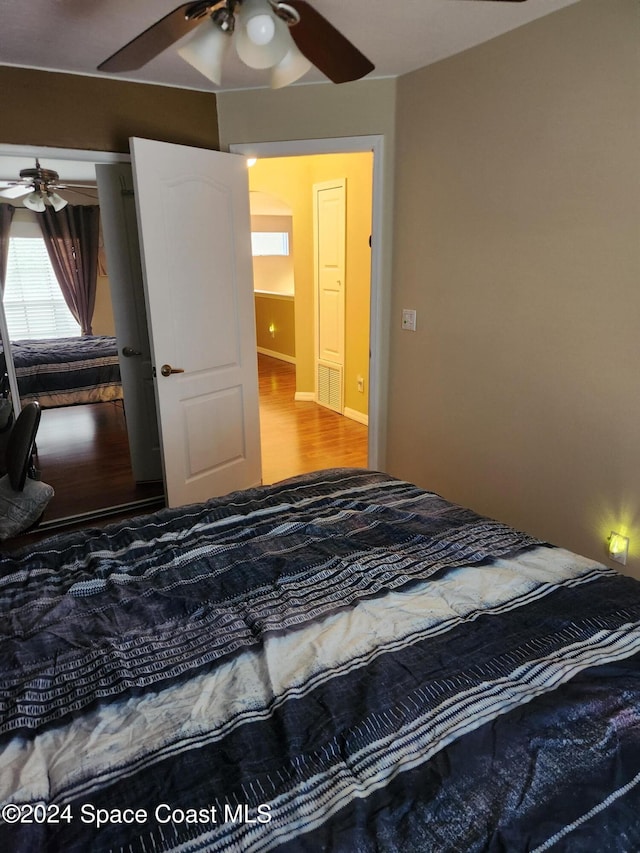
20	445
23	497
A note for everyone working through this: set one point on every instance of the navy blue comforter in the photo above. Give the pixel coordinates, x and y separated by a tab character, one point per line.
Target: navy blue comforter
66	371
340	662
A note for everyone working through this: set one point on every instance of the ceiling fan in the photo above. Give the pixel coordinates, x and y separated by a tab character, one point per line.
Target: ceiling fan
286	37
40	188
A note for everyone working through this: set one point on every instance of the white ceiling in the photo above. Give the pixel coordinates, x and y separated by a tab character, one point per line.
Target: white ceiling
398	36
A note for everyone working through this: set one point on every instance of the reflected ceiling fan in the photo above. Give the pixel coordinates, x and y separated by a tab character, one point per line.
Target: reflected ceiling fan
40	186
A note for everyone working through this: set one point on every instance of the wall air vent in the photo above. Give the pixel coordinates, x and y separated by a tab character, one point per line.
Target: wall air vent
330	385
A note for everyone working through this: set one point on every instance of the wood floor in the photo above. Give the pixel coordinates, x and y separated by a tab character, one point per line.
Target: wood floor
83	450
298	437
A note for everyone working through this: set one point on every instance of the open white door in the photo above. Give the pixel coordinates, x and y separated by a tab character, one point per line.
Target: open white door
120	231
194	227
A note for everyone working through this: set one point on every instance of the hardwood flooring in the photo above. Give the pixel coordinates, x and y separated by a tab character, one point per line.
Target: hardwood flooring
83	450
298	437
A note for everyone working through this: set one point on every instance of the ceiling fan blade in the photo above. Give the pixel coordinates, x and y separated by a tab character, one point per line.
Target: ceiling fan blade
326	47
16	191
71	187
157	37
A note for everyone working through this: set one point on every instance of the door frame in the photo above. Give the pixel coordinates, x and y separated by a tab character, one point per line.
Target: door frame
349	145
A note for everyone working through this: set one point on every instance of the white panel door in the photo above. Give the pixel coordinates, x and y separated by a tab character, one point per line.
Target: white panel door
193	220
330	230
120	231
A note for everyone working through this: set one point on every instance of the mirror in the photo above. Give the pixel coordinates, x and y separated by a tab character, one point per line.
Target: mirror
83	442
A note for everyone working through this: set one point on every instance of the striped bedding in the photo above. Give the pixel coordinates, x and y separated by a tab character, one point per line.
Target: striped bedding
68	371
339	662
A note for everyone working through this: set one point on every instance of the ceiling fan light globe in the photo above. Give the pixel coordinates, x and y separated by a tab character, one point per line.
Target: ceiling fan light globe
35	202
206	49
261	38
56	201
261	29
292	67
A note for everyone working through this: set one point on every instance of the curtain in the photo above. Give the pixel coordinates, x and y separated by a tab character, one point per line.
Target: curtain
71	237
6	215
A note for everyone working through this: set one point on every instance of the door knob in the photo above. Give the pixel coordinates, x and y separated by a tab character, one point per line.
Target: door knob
129	352
167	370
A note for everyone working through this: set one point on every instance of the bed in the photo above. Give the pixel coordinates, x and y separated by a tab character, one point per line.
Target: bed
67	371
337	662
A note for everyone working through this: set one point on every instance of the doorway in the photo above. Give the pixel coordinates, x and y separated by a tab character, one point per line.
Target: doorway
291	180
373	373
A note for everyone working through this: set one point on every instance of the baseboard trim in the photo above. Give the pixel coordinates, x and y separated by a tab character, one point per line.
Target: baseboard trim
354	415
291	359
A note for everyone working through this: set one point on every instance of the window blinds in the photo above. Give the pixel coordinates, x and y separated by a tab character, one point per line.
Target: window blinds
33	303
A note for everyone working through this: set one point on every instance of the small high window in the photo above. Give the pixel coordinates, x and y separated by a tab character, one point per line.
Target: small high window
269	243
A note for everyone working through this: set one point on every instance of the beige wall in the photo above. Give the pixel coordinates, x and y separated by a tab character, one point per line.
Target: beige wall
327	111
517	240
291	180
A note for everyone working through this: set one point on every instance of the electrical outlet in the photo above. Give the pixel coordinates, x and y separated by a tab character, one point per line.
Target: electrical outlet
408	319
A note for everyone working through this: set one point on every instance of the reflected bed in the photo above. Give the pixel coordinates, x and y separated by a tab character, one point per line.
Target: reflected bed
67	371
338	662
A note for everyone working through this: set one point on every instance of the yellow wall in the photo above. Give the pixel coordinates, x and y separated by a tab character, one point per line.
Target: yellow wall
291	180
277	313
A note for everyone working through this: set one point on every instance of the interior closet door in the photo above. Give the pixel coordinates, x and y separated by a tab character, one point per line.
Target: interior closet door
329	237
194	228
